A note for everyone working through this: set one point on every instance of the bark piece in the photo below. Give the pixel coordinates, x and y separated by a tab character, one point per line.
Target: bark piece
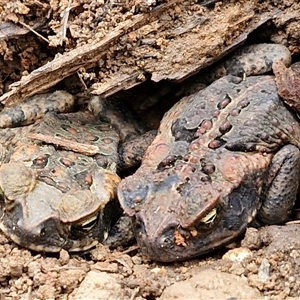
288	83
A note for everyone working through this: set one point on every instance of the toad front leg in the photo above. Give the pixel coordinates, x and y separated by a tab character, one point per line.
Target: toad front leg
281	187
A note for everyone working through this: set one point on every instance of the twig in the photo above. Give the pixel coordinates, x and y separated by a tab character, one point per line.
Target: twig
35	32
293	222
28	295
65	19
65	143
135	292
130	249
82	81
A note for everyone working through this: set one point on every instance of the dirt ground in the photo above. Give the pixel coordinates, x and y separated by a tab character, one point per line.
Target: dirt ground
87	46
265	265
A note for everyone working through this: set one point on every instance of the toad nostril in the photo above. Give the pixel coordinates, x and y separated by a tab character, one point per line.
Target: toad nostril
167	239
167	242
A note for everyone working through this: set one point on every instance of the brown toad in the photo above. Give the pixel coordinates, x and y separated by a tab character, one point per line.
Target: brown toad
224	157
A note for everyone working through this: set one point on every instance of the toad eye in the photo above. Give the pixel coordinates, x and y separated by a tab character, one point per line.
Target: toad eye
210	217
210	221
89	223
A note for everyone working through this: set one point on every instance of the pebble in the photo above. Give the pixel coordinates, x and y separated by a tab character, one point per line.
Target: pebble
64	256
96	286
264	270
211	284
237	254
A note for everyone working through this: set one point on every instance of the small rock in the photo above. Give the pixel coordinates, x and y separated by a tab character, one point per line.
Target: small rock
158	270
136	260
237	254
252	239
96	286
252	267
237	268
280	238
264	270
16	269
100	252
211	284
33	268
64	256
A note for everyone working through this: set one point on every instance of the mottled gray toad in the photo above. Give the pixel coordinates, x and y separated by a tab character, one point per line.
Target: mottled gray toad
62	193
